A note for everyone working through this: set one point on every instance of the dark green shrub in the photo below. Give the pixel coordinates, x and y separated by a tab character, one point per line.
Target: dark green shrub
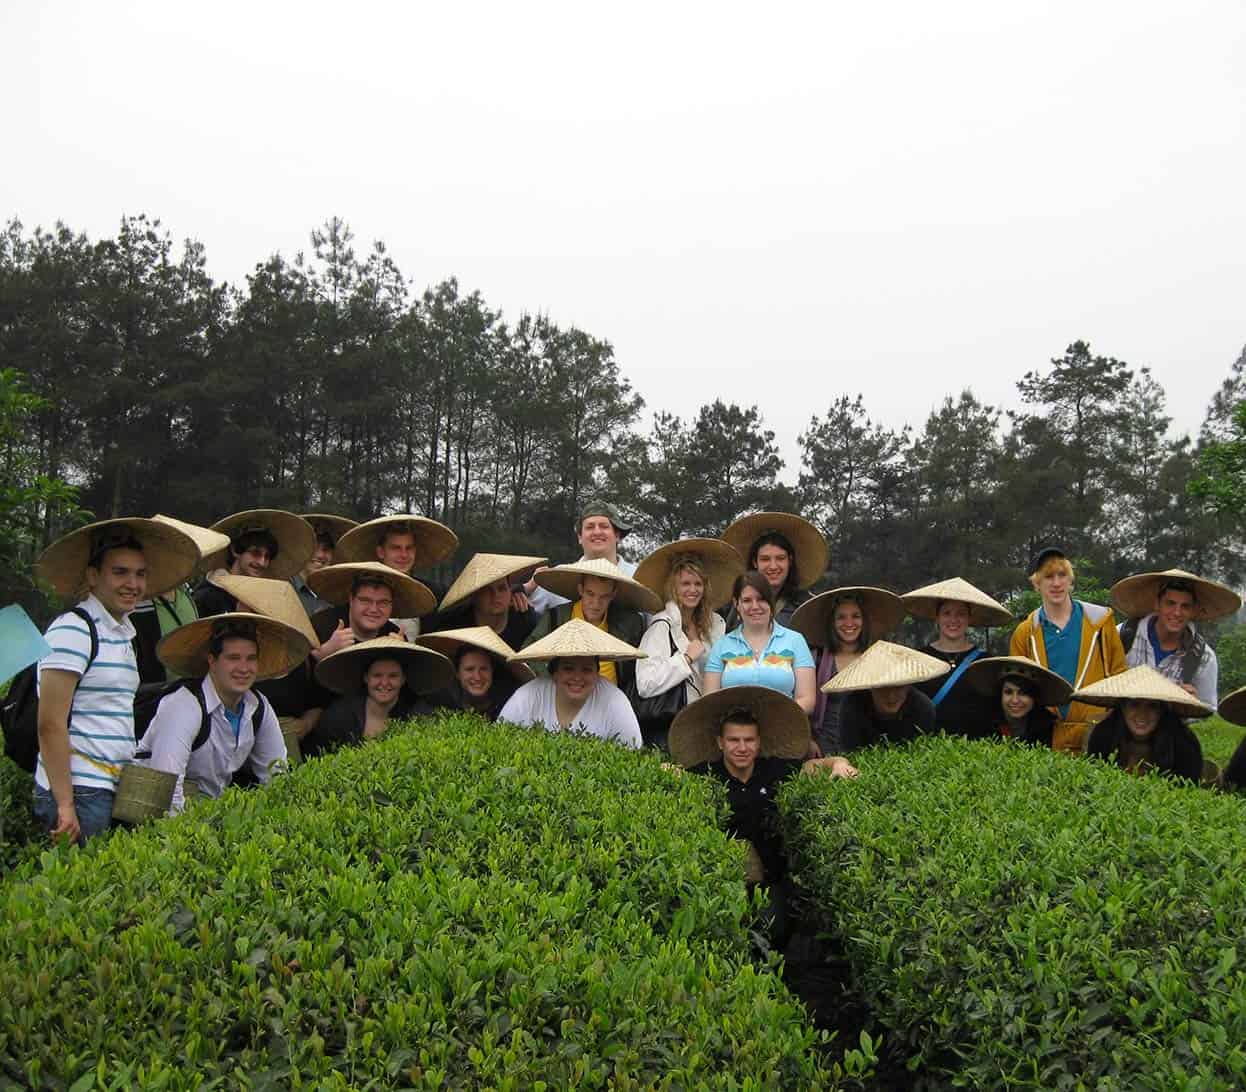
457	905
1016	918
19	834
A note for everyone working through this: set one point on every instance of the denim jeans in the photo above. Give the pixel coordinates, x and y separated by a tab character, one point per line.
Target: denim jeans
94	808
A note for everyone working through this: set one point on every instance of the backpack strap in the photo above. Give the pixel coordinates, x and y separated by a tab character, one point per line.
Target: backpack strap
162	601
1129	631
195	686
1193	658
92	632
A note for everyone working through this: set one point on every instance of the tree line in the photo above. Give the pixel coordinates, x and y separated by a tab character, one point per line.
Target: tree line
328	383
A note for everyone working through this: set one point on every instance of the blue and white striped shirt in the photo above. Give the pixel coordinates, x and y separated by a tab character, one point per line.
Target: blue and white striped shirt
101	716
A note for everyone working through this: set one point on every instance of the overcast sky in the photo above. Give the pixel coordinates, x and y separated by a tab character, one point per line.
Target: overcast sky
764	203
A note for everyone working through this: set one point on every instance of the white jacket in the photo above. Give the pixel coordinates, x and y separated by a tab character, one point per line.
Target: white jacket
662	668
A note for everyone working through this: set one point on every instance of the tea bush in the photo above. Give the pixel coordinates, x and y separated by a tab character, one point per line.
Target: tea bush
456	905
17	821
1218	738
1017	918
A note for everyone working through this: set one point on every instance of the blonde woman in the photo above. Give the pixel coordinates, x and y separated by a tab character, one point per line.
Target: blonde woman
692	576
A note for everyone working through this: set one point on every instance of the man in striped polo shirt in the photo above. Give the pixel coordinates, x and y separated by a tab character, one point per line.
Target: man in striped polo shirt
86	687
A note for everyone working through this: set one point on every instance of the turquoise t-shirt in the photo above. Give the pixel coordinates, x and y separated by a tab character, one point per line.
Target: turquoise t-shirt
1064	646
774	669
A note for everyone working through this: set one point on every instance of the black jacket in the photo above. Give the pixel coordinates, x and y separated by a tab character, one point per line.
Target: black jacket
342	724
1175	749
963	711
858	726
625	624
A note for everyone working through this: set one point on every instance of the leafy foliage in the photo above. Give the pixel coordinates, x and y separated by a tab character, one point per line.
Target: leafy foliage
456	905
1017	918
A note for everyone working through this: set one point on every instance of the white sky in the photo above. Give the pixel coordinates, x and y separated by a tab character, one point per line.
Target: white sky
764	203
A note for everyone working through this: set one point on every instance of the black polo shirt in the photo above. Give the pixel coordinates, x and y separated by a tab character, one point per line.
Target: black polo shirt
754	814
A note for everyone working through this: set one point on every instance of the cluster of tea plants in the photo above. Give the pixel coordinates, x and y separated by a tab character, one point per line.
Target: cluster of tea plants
1017	918
17	823
456	905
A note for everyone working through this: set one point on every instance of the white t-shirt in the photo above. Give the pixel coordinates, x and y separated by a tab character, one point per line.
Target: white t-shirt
607	713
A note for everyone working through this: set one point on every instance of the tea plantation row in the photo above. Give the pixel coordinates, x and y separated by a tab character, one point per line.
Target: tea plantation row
460	905
1016	918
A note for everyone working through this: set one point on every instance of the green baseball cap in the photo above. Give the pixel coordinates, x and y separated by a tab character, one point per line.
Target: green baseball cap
602	508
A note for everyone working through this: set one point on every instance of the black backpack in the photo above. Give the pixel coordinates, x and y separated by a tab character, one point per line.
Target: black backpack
19	711
149	696
1192	657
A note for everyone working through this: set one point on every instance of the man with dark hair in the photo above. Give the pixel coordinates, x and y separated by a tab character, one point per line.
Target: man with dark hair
86	685
250	552
263	542
241	727
321	557
1161	609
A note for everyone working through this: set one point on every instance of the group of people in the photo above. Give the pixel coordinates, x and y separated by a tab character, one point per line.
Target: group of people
213	653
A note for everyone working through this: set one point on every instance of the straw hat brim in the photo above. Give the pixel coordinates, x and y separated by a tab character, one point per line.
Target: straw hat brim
578	638
337	526
434	542
1136	596
208	540
271	598
482	570
426	670
296	541
1142	683
783	724
720	560
448	642
983	610
184	651
884	611
813	554
564	580
1233	706
985	675
411	598
170	554
886	664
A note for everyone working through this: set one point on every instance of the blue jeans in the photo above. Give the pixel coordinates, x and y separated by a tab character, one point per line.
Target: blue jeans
94	808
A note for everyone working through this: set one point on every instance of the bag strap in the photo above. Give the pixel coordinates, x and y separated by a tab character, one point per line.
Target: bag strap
92	632
954	677
168	605
1129	633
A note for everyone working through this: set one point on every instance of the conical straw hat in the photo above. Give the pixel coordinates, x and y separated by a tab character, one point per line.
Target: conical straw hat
426	670
411	598
1233	706
813	555
434	541
282	648
983	610
783	724
720	560
296	541
336	526
1135	596
208	541
884	611
483	570
171	554
1142	684
271	598
885	664
579	638
986	674
449	641
564	580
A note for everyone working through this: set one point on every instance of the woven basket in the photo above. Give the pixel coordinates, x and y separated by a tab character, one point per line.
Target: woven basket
143	794
294	753
191	791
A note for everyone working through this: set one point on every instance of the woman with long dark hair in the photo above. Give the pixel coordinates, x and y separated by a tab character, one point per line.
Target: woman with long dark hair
1021	694
790	552
1144	730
